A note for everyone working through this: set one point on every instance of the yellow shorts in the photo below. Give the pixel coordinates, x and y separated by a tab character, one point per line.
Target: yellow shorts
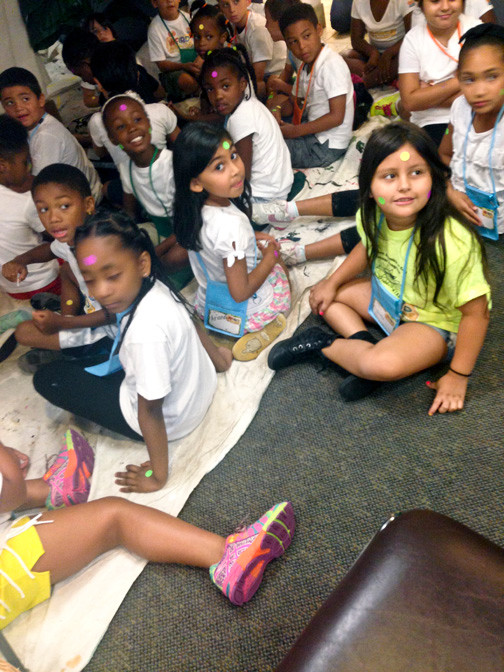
37	589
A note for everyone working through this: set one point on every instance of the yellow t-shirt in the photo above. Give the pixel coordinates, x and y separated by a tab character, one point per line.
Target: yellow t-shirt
464	278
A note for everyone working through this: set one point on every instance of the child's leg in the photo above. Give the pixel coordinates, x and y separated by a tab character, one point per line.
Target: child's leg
356	62
81	533
221	357
28	334
36	493
172	255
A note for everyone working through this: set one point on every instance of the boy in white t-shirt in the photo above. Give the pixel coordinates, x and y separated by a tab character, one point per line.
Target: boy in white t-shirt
266	56
171	47
386	23
20	226
323	91
50	142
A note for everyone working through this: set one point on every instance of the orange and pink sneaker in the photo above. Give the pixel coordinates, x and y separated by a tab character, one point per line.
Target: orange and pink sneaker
247	554
68	477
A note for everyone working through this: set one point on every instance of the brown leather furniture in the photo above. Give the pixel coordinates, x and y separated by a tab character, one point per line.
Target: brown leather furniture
426	595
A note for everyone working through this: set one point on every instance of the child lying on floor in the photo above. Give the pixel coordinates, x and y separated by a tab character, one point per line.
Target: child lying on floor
39	551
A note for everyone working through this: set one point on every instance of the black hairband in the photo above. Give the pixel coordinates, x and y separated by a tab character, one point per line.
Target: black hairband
483	30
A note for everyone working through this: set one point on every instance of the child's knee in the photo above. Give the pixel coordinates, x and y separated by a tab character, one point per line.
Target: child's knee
386	365
24	332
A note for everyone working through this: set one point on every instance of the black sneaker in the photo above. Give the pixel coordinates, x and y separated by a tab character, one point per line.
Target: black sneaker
46	301
32	360
354	388
299	347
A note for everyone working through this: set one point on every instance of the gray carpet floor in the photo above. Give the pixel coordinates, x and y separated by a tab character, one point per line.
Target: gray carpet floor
346	468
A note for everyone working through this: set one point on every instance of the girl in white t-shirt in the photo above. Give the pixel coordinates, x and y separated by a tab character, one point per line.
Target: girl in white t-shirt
428	64
478	9
225	76
32	561
211	220
386	22
168	380
474	143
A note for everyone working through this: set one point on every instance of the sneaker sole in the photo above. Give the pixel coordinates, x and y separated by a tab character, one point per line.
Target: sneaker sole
270	543
266	337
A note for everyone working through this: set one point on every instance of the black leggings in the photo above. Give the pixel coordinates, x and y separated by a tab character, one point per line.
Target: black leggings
68	386
345	203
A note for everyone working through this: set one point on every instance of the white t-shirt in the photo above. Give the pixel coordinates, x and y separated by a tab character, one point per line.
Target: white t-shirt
387	32
163	122
163	358
162	46
157	202
221	228
50	142
331	78
20	229
257	41
478	153
65	252
420	55
474	8
271	177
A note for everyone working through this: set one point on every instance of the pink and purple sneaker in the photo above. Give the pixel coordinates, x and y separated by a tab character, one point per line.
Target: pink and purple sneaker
247	554
68	477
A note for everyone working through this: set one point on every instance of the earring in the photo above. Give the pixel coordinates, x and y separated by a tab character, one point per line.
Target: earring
89	212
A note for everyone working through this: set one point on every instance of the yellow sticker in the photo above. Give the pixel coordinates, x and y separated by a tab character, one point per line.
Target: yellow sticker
404	156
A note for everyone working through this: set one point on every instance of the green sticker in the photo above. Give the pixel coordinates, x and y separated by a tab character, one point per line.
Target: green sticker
447	132
148	473
381	200
226	145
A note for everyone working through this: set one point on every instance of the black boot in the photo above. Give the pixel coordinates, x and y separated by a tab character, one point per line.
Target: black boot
299	347
354	388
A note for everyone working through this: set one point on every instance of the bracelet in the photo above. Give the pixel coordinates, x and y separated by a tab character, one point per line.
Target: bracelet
465	375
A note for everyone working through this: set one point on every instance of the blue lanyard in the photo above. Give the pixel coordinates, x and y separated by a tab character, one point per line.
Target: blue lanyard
34	130
403	281
492	143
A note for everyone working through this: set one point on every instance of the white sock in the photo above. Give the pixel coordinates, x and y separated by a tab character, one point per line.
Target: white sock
291	208
300	253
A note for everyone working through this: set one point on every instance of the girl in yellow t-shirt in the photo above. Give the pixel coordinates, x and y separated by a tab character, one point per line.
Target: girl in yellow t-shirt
428	290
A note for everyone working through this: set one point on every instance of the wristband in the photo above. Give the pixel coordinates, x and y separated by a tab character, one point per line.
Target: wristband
465	375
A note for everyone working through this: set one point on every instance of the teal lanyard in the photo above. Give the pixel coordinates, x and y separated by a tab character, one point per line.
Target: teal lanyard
403	281
156	152
171	34
492	143
34	130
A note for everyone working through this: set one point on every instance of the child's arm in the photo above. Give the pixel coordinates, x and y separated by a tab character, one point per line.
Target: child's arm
14	486
279	83
173	66
385	59
323	293
242	284
451	388
260	70
415	97
152	426
335	117
357	35
48	322
458	199
17	266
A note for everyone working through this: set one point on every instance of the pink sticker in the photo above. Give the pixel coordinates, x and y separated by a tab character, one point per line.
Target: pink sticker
429	194
214	73
123	107
89	261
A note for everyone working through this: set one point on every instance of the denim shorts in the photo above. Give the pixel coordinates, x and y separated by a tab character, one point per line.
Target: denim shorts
449	337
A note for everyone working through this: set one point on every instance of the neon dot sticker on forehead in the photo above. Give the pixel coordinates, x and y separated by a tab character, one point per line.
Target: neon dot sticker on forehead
123	107
381	200
226	145
214	73
89	261
201	26
404	156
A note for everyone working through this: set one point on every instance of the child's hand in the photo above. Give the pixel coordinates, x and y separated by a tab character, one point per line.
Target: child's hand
134	479
385	66
464	205
451	390
47	322
372	61
289	130
321	296
14	271
269	240
191	68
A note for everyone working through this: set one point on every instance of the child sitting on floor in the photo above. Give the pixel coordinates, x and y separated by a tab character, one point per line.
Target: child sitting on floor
428	289
20	226
386	22
78	47
211	220
171	47
225	78
474	143
266	56
325	85
50	142
32	560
